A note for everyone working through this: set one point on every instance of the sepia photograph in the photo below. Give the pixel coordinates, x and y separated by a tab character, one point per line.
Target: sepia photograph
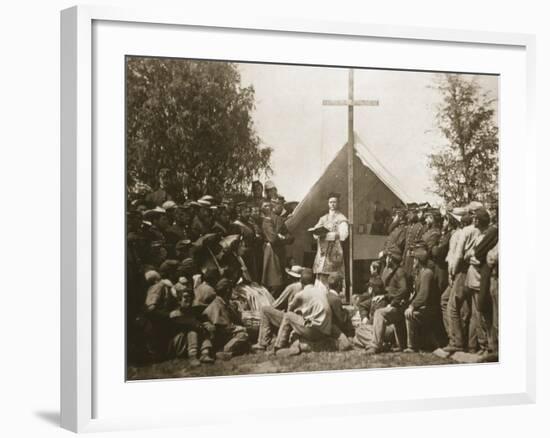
301	218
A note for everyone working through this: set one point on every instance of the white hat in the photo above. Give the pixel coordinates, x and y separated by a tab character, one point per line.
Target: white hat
227	241
455	217
474	205
152	275
168	205
269	185
147	215
294	271
459	211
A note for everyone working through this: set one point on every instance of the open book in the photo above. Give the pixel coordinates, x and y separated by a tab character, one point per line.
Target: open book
319	231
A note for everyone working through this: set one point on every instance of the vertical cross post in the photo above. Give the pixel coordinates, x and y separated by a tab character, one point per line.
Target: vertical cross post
351	151
350	103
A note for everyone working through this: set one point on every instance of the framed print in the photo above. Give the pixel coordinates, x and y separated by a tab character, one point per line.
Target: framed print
250	207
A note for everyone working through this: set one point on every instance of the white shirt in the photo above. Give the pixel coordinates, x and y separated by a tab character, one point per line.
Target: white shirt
312	303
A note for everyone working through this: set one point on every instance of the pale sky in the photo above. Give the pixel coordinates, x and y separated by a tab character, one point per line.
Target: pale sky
306	135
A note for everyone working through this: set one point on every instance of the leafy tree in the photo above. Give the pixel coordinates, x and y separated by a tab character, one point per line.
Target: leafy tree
194	118
466	168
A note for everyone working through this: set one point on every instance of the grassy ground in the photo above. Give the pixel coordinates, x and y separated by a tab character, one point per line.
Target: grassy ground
263	363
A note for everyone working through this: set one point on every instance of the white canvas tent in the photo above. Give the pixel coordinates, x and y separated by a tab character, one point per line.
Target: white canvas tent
372	182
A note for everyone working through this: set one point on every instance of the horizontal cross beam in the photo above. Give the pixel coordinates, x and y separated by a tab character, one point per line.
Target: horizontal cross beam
347	102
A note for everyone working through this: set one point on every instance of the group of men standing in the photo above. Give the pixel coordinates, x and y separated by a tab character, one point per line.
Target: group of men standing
436	284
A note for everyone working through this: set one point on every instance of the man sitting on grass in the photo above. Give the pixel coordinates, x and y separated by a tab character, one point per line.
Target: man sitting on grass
309	316
373	299
188	323
271	316
230	338
419	315
204	292
159	329
342	327
373	336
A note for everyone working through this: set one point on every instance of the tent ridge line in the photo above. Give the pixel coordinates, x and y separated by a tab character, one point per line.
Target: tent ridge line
389	179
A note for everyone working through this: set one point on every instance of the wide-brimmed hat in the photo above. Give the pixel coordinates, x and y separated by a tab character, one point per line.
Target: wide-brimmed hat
152	275
459	211
204	203
295	271
183	243
151	214
474	205
227	241
169	205
206	238
169	266
453	218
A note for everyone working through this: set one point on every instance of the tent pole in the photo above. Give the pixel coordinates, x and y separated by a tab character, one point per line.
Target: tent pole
350	183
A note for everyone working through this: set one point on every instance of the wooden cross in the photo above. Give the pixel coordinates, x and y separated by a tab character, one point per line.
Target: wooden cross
350	103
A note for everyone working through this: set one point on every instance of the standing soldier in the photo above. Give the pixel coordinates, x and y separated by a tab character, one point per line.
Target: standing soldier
412	236
398	231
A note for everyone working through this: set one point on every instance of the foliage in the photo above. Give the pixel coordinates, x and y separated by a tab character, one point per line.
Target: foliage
194	118
466	168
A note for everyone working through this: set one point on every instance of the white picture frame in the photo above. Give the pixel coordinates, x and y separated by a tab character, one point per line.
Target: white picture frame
79	173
